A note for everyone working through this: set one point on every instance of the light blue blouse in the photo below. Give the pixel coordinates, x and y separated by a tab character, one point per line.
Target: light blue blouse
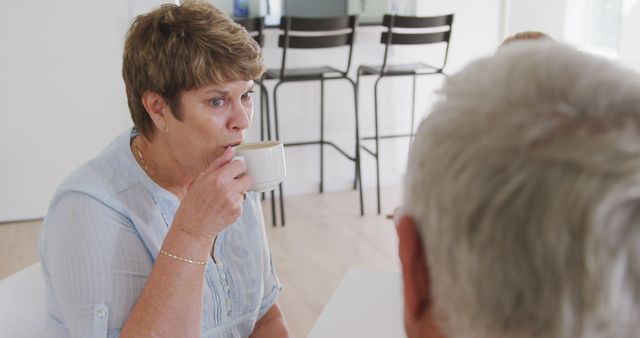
102	234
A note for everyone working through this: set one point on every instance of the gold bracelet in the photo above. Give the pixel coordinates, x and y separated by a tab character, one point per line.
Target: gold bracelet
182	259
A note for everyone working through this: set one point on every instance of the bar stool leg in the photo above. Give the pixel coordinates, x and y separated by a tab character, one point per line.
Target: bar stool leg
262	116
281	194
355	100
268	125
263	96
413	110
377	132
262	123
358	176
265	119
275	122
321	136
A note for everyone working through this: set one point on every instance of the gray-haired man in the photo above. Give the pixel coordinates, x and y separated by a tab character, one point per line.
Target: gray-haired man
521	214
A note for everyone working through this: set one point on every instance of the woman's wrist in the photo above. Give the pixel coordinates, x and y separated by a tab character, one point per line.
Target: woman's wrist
196	233
187	244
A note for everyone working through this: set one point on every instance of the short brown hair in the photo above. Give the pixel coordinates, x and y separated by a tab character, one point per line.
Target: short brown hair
181	47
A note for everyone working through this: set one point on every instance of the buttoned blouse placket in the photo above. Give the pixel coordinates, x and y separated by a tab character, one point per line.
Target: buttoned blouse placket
222	272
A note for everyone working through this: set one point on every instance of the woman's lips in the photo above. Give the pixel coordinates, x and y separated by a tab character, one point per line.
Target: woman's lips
230	145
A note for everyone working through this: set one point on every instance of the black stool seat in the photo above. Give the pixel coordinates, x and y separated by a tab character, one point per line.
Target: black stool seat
399	69
309	73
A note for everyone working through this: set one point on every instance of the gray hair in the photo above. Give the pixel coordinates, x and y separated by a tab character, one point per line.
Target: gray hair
524	183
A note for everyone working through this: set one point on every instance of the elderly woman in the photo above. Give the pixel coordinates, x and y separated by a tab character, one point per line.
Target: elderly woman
156	236
522	201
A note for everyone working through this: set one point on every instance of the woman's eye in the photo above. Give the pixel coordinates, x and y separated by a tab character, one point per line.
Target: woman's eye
217	102
247	95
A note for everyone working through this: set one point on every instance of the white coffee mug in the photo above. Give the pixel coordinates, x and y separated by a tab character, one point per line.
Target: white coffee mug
265	163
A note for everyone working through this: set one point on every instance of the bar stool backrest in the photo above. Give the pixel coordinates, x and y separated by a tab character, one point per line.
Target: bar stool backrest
328	32
408	35
255	27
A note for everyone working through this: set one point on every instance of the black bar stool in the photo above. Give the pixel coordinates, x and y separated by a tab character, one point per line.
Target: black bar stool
255	27
316	33
411	32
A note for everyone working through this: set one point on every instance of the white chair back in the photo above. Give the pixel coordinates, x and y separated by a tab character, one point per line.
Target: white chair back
23	304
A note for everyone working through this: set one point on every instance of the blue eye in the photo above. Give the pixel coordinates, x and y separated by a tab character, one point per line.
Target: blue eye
217	102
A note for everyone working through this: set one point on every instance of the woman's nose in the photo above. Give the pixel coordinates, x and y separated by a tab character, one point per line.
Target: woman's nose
240	116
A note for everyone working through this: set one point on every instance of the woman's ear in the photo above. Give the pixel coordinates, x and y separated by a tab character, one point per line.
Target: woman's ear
157	108
417	285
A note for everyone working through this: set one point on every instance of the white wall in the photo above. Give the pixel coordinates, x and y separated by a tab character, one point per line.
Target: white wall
61	93
629	47
64	100
542	15
565	21
476	27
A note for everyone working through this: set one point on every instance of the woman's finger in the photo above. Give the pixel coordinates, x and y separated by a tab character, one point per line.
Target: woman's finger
232	170
242	183
220	162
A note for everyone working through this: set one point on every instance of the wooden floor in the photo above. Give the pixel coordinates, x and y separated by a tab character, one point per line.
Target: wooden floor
324	236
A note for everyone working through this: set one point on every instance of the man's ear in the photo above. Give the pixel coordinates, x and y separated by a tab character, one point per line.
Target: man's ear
157	108
417	285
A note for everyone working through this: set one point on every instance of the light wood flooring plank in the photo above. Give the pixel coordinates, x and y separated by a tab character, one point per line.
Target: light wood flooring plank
18	243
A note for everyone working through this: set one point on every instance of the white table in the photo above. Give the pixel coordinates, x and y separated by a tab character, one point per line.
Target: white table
365	304
23	304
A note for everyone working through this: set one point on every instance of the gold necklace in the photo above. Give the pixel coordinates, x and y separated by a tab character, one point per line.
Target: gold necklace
144	165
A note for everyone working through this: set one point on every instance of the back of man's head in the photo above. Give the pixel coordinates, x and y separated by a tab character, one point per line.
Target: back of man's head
524	184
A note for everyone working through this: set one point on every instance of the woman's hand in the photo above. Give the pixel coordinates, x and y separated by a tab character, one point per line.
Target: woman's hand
214	199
